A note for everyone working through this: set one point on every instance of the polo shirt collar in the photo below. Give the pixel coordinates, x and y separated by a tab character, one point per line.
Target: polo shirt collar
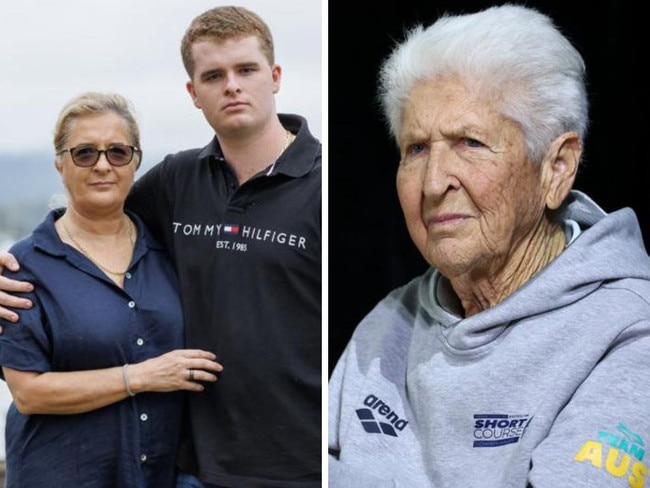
299	158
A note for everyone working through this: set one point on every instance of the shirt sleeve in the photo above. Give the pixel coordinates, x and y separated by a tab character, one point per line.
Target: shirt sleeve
354	462
147	199
344	476
26	344
600	438
340	474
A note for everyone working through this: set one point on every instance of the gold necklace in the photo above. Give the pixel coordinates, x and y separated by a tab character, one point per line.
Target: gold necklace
85	253
288	139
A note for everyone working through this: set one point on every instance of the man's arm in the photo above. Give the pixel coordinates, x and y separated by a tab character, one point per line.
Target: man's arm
9	286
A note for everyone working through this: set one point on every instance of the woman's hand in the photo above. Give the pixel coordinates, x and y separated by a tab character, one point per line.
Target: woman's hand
181	369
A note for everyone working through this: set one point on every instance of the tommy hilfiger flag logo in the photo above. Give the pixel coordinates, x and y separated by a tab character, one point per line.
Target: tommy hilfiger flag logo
389	425
231	229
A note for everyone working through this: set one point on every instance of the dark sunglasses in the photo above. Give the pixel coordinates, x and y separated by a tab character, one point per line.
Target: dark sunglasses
86	155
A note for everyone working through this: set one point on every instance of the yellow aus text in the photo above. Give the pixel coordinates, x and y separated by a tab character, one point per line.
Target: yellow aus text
616	462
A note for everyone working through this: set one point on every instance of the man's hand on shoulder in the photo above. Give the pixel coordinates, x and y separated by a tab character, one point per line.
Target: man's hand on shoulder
8	287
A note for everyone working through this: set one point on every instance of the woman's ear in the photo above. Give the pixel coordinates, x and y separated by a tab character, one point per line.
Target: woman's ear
560	167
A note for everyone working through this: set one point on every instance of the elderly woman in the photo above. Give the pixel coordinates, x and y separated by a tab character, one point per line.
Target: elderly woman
521	357
89	363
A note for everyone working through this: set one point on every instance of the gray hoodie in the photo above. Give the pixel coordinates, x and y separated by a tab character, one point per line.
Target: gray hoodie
548	389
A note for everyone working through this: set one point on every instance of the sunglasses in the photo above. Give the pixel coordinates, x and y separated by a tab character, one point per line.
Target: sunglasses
86	155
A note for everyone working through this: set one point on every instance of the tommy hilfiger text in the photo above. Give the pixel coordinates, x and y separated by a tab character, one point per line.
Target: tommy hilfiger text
242	231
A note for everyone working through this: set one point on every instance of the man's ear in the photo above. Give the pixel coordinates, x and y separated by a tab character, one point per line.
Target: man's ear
58	164
276	76
189	86
560	167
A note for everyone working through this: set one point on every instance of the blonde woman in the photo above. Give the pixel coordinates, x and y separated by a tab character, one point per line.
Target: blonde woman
96	368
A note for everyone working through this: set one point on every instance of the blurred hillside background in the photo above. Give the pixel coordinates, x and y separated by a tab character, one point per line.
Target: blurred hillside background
31	184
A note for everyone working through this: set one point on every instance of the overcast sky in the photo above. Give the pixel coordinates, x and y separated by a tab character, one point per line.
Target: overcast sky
53	50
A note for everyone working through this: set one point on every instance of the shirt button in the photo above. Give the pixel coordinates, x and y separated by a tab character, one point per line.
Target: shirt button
144	417
131	304
143	458
140	341
127	276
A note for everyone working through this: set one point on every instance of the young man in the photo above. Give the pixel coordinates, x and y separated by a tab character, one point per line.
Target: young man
241	220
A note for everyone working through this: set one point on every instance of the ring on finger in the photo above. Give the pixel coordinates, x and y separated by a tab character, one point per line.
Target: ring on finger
191	374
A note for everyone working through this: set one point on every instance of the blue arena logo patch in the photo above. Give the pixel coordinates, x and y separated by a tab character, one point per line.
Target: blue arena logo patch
389	422
497	429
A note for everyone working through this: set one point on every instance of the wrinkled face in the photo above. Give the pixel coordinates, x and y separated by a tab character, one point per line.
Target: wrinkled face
468	192
234	85
100	188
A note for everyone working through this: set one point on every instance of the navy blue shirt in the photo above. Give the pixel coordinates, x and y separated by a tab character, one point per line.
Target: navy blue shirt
81	320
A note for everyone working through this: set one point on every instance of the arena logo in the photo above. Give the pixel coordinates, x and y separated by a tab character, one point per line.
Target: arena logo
373	426
495	429
619	453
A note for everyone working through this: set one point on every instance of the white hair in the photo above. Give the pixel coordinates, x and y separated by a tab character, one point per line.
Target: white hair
514	54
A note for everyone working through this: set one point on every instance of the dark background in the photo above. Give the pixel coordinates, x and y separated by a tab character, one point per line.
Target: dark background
370	252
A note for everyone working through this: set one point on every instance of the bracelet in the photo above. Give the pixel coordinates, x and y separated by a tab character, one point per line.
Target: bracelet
125	379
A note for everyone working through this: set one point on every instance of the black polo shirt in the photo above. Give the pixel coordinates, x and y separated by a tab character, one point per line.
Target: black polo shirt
249	264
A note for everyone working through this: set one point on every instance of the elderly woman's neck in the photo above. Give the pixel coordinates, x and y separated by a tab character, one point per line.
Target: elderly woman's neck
487	288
